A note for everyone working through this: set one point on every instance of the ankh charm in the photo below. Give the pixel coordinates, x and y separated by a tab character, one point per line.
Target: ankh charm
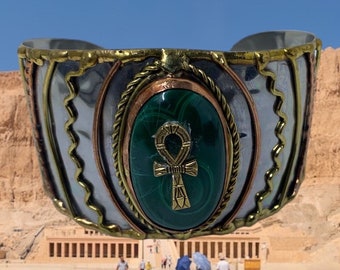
175	165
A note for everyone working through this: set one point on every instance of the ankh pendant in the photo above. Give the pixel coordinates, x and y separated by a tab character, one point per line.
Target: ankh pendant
175	165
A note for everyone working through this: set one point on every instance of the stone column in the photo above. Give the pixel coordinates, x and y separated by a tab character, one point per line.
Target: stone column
246	249
109	250
85	250
231	249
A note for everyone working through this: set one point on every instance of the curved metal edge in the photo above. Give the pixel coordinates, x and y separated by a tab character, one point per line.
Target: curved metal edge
96	144
222	61
28	73
38	56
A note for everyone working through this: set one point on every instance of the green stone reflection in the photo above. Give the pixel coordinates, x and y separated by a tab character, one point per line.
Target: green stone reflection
199	117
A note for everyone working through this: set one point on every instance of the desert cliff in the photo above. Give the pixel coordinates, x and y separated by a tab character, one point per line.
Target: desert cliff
307	229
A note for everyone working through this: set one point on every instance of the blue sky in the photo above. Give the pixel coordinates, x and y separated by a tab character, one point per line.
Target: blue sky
197	24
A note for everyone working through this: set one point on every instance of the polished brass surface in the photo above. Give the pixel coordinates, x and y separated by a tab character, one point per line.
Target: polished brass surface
175	165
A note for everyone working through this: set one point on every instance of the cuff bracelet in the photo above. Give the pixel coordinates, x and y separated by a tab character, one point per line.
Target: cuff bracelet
171	143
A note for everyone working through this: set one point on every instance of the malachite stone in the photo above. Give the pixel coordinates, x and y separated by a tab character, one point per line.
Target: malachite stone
154	194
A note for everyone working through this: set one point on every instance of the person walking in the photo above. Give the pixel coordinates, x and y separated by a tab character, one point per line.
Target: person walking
148	265
122	265
223	264
169	261
142	265
163	263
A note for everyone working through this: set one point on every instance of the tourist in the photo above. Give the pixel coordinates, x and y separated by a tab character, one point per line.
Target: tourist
142	265
169	261
148	265
122	265
223	263
163	263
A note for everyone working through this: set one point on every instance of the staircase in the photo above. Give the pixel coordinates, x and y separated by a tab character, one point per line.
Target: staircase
157	249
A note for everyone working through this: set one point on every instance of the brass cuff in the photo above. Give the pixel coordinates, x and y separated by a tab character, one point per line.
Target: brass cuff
171	143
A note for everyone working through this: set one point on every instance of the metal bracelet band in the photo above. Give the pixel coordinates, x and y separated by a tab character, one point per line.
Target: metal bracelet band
171	143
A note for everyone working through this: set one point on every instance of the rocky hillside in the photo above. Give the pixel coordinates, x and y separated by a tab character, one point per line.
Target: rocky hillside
307	229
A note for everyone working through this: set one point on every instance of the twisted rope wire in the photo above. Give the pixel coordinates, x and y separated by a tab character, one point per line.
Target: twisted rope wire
139	80
234	134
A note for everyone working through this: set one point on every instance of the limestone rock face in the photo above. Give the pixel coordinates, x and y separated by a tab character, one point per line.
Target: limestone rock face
18	166
305	230
323	158
24	206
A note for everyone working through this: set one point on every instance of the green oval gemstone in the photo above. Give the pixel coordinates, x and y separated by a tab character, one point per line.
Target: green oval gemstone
200	119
